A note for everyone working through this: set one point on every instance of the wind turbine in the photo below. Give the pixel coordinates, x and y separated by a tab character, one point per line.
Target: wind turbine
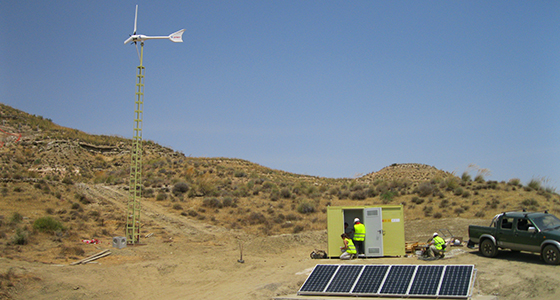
132	230
176	37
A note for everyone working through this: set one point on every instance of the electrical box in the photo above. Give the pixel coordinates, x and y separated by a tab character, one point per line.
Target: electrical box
384	229
119	242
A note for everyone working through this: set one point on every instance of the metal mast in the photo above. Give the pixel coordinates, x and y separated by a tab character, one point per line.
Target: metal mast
132	231
135	186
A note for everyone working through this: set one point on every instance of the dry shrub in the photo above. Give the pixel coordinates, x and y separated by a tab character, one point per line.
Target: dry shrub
256	218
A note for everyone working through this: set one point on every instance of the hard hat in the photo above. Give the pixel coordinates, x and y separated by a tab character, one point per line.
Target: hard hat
356	220
435	233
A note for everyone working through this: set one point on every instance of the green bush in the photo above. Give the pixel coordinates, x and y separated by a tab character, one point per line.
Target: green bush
444	203
450	184
228	202
212	202
47	224
306	207
532	204
161	196
274	194
285	193
387	196
417	200
16	218
534	184
428	211
297	229
479	178
256	218
20	238
239	174
180	188
343	195
514	182
466	177
425	189
493	203
358	195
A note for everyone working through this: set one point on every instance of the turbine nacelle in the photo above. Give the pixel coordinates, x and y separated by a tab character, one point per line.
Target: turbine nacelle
176	37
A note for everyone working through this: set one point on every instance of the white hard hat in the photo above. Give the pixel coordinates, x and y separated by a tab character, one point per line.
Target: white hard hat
435	233
356	220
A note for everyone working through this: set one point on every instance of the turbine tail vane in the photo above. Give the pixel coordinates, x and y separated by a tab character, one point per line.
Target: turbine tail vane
177	37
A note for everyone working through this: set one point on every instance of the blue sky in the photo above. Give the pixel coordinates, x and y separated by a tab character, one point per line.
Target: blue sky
324	88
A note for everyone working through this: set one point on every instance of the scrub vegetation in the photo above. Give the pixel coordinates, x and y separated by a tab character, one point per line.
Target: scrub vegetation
62	185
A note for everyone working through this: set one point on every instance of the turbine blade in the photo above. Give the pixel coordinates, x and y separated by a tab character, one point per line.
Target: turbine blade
128	40
135	19
177	37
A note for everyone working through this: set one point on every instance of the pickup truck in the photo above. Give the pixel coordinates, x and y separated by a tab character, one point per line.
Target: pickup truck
519	231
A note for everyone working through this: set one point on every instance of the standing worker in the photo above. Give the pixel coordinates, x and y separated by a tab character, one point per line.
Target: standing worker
348	250
437	246
359	235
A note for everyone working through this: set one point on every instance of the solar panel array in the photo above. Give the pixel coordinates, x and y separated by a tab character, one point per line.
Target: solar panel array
441	281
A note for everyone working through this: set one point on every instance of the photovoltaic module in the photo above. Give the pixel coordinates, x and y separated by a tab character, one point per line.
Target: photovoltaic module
437	281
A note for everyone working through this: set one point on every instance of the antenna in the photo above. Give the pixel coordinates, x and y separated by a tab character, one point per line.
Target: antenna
132	231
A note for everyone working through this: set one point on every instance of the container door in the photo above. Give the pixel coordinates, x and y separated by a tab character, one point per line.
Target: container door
374	232
335	227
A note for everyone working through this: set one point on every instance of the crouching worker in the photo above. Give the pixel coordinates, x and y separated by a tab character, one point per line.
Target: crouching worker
348	250
437	246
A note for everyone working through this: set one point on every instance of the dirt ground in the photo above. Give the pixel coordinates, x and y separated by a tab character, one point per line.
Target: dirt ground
197	261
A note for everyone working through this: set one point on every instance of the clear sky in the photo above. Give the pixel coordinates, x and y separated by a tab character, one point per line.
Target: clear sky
324	88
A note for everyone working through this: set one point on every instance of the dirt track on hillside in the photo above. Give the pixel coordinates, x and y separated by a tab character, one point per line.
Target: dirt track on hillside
198	261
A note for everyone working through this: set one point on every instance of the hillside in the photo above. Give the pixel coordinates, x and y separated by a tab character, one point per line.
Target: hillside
81	181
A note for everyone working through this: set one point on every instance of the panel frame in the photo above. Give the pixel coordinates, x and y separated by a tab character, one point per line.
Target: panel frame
352	293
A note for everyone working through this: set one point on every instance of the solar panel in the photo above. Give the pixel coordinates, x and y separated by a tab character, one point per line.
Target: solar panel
344	279
398	280
319	278
426	280
371	279
456	281
449	281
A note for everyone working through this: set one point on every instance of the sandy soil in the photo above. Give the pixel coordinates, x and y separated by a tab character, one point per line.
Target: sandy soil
189	260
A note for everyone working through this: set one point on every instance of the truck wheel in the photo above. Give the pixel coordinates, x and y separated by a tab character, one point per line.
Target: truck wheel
551	255
488	249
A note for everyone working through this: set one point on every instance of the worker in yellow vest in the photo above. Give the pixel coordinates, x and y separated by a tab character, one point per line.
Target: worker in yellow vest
348	250
437	246
359	235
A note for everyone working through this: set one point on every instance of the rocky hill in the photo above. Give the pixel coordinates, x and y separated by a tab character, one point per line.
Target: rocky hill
79	183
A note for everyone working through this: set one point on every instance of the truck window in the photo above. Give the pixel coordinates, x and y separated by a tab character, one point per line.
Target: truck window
523	224
547	222
507	223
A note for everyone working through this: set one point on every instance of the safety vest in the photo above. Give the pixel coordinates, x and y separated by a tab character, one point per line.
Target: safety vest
359	232
351	248
439	242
